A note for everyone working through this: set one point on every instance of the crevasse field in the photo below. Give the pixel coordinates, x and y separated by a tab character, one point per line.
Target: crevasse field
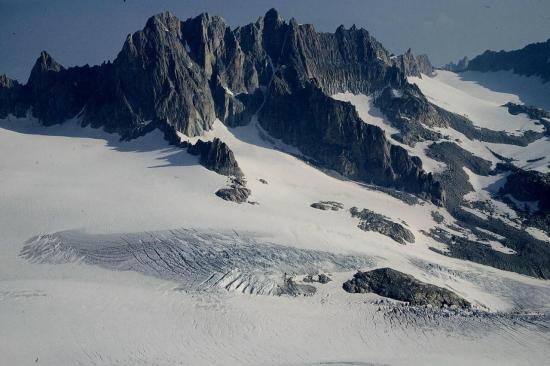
119	253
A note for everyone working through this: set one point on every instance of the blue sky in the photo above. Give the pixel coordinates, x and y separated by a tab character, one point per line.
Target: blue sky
78	32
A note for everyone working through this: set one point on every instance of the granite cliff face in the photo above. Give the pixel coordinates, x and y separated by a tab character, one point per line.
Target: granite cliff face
181	75
331	132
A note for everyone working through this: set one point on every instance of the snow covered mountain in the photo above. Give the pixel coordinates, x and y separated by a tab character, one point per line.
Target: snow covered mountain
272	195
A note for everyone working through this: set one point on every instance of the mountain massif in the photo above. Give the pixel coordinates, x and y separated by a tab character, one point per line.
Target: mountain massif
180	76
183	75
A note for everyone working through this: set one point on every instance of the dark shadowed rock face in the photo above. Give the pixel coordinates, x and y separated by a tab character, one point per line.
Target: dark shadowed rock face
529	185
55	93
331	132
372	221
531	111
217	156
396	285
454	179
11	100
159	80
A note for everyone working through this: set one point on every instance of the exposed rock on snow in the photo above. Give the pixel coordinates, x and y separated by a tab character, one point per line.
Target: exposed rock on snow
525	254
291	288
372	221
390	283
217	156
320	278
327	205
531	111
529	186
236	194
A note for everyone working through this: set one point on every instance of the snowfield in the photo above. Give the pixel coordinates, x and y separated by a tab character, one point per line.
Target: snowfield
480	97
119	253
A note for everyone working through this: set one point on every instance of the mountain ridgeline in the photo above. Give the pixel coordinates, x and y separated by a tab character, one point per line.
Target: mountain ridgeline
180	76
531	60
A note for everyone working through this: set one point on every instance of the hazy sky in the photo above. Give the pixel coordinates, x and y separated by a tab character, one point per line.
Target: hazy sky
78	32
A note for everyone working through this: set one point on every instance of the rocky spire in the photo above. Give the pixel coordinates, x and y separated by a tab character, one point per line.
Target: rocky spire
44	63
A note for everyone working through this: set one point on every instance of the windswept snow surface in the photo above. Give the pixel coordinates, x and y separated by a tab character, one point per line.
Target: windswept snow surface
99	281
480	97
464	95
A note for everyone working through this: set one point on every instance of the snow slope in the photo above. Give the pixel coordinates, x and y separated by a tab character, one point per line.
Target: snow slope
480	96
481	105
91	313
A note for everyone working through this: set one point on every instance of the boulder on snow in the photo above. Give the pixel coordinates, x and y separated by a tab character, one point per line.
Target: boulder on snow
372	221
327	205
397	285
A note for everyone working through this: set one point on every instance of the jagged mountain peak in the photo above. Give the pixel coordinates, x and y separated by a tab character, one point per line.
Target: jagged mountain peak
6	82
185	74
45	62
272	16
165	18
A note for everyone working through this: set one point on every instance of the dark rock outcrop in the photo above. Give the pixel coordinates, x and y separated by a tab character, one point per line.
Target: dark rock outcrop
531	111
327	205
291	288
531	257
529	185
454	179
372	221
397	285
320	278
217	156
236	194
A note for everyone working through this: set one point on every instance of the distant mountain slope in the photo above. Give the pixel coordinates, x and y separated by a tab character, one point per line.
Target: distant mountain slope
531	60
